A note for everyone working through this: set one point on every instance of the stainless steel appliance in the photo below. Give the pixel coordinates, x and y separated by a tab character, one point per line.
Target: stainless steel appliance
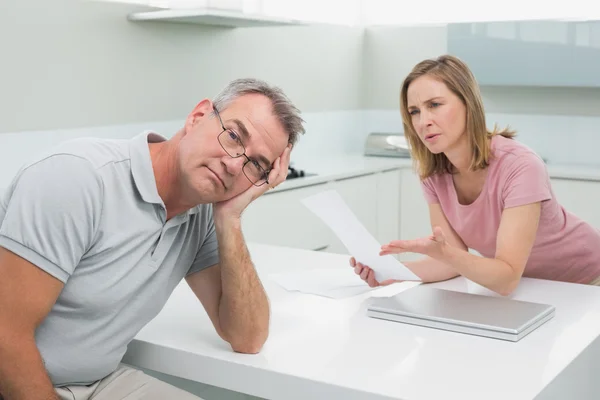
387	144
298	173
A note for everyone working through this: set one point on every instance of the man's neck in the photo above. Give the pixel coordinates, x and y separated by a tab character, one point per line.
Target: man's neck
164	164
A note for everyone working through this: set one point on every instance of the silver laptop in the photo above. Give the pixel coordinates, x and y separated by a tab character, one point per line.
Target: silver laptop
494	317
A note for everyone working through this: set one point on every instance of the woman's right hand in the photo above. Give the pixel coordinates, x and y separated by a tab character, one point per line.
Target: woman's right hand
368	275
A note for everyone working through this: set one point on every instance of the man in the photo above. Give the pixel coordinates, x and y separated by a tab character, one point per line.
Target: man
96	234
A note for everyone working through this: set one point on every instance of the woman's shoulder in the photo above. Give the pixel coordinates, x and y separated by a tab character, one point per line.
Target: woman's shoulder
510	157
436	182
510	151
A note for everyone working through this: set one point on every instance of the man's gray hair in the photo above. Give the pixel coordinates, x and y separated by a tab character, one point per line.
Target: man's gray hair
287	113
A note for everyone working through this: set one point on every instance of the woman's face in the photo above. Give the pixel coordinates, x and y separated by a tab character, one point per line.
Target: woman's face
438	116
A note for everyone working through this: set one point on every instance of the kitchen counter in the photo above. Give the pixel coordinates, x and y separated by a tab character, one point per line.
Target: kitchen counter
341	167
575	172
346	166
321	348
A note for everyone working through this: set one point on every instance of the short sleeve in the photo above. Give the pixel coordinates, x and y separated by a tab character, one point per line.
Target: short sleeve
526	182
429	191
208	253
51	212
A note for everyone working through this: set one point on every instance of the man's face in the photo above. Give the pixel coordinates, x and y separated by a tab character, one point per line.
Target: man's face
209	174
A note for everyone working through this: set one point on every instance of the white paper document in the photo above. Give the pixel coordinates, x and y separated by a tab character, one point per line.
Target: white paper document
331	208
335	283
328	282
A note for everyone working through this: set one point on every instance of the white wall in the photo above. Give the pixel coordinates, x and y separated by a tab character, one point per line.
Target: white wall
73	63
73	68
79	68
389	55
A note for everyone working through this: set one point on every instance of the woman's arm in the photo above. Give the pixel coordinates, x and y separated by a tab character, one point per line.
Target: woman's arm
515	239
428	269
516	235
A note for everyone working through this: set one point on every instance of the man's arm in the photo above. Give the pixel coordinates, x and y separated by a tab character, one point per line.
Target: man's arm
27	295
232	293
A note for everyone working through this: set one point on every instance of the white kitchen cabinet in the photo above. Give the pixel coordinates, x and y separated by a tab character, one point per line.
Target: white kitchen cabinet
360	194
579	197
542	53
280	219
388	206
414	211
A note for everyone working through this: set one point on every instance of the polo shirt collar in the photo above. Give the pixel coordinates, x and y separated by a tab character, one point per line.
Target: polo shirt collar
141	166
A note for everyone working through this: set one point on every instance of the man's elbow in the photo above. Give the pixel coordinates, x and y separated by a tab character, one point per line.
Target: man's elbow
251	344
247	341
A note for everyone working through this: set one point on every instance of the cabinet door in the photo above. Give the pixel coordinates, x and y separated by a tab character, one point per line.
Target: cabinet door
542	53
360	194
279	218
579	197
414	211
388	206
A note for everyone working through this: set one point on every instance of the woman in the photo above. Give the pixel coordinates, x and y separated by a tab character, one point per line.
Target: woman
485	191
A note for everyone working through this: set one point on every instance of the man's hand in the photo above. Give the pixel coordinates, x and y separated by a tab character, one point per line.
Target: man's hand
236	205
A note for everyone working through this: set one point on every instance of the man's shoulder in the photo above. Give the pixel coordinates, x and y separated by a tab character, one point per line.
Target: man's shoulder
76	160
96	151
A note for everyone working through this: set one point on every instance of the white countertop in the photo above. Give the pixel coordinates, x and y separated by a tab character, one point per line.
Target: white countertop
578	172
340	167
321	348
348	165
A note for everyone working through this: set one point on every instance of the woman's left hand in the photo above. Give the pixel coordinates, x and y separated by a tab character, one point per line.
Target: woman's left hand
432	246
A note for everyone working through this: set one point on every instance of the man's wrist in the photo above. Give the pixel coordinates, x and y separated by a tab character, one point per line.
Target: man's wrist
225	222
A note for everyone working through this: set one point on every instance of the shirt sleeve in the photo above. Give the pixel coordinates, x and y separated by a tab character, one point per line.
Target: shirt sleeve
51	213
429	191
208	253
526	182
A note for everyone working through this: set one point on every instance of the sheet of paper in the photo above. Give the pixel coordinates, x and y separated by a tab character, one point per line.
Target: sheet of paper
331	208
335	283
328	282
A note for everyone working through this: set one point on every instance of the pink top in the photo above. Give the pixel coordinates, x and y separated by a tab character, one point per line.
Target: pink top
565	249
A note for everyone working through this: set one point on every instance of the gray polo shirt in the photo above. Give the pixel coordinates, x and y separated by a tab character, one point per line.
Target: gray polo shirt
89	214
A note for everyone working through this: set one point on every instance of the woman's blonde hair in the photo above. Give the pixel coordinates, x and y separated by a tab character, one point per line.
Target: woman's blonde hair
457	76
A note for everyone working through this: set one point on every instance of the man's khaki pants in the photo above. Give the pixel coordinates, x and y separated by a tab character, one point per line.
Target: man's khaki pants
125	383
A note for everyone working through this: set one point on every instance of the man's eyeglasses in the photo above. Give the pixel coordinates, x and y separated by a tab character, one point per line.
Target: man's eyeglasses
231	142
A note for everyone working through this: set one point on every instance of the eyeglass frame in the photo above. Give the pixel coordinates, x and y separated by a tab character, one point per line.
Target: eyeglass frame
248	159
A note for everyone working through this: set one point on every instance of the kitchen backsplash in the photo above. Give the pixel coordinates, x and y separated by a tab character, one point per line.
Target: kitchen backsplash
559	139
327	132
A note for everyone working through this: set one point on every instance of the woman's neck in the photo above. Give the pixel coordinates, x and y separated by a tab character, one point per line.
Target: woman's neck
460	156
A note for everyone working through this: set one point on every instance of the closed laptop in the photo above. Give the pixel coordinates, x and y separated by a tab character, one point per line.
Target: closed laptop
494	317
